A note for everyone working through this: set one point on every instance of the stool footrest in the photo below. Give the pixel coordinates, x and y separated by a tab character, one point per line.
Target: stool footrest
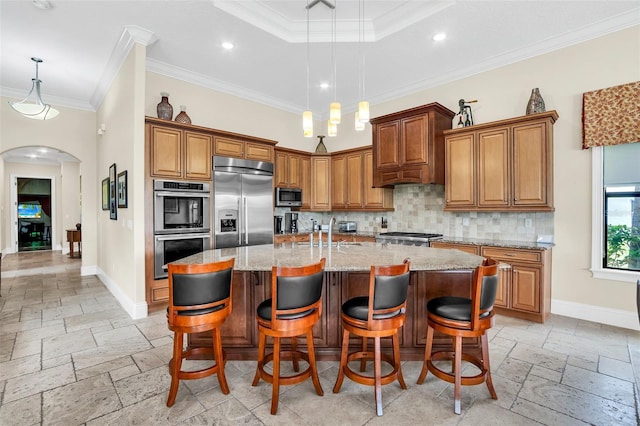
286	356
450	377
198	374
370	380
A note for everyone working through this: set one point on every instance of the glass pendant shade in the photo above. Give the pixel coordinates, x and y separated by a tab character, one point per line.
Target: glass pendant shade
363	111
332	129
36	110
307	124
359	124
334	112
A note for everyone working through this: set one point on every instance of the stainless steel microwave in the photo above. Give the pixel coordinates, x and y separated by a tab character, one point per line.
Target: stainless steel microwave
288	197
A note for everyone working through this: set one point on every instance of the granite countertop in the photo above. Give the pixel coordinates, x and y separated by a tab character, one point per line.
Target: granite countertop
346	234
347	257
498	243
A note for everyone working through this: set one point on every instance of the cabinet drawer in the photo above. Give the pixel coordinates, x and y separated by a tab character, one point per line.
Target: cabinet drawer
512	254
160	294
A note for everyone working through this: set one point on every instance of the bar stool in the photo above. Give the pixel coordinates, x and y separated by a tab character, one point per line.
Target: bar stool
199	300
294	308
381	314
461	317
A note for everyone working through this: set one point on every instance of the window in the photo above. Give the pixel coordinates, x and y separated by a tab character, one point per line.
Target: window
616	212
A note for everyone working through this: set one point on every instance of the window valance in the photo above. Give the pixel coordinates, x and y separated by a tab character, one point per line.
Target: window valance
611	116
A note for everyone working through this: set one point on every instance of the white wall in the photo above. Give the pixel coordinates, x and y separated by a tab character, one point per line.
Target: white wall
121	249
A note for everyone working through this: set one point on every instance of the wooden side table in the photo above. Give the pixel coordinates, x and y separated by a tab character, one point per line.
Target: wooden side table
74	236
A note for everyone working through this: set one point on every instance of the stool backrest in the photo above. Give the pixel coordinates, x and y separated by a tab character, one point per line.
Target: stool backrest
200	287
296	290
484	289
388	286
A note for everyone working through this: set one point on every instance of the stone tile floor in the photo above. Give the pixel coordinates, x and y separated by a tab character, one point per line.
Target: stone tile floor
70	355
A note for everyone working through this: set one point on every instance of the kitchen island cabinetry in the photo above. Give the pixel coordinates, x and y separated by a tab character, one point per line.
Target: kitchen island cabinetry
433	273
408	146
502	166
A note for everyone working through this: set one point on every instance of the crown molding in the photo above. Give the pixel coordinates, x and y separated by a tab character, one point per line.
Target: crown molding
130	35
218	85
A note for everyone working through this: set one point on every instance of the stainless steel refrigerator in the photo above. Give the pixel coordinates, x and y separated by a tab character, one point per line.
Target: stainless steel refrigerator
243	202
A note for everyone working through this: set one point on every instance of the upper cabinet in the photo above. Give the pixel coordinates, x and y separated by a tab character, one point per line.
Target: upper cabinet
500	166
179	154
288	169
408	146
184	151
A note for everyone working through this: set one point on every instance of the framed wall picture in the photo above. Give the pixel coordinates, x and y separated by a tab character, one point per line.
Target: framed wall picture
113	209
122	190
105	193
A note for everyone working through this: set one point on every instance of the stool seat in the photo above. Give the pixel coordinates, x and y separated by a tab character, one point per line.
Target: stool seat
381	314
293	310
461	317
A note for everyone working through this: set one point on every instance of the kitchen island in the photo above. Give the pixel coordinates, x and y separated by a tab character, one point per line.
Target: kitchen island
434	272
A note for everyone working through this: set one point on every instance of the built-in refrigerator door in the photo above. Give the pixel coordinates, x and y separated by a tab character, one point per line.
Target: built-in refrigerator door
257	209
228	209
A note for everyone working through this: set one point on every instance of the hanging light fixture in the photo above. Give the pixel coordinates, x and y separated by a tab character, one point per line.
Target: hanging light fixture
334	107
359	124
332	129
307	116
38	110
363	106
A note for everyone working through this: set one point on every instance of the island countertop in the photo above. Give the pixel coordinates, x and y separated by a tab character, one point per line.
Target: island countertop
346	257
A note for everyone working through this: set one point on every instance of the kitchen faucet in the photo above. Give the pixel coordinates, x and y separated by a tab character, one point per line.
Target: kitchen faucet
332	221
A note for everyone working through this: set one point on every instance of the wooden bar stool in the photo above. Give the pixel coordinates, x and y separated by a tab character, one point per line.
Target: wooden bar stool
460	317
199	300
381	314
295	306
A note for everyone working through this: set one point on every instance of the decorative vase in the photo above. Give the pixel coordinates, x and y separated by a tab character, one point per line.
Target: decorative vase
536	103
165	110
183	117
320	147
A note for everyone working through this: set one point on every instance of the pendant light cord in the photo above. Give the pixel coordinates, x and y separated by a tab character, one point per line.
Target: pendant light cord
361	32
333	52
308	55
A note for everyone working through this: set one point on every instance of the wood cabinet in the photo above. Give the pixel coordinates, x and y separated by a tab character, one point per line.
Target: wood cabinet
408	146
467	248
179	154
320	183
352	183
240	148
502	166
288	168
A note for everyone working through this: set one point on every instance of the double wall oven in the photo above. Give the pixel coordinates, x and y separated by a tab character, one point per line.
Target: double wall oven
182	221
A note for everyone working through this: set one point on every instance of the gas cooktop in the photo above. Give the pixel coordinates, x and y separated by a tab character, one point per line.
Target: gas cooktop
409	236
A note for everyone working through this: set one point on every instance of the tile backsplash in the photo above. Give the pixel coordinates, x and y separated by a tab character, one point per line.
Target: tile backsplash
419	208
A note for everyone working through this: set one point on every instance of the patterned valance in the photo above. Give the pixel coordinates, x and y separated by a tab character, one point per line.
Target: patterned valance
611	116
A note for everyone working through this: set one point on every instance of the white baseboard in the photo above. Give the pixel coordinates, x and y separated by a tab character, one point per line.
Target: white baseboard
615	317
135	310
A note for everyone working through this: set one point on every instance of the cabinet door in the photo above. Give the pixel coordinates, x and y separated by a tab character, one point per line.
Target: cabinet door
530	162
374	198
280	175
293	171
414	140
386	144
238	328
320	178
305	181
493	168
258	152
197	156
525	288
353	184
504	283
228	147
460	172
166	152
338	182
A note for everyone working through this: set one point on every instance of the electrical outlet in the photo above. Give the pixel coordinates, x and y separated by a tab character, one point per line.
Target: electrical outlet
528	223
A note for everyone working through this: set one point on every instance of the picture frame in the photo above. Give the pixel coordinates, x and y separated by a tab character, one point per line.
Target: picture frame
122	190
113	209
105	193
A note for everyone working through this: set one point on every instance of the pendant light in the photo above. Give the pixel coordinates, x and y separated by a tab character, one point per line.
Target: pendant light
363	106
307	116
332	129
334	107
359	124
38	110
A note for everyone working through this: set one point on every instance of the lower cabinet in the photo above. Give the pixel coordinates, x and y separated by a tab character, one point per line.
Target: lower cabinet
524	279
240	331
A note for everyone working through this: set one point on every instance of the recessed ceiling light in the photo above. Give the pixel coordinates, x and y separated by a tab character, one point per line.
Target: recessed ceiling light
439	37
227	45
324	85
41	4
